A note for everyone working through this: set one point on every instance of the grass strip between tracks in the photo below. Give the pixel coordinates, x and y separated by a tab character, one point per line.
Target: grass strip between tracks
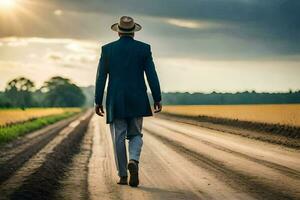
14	131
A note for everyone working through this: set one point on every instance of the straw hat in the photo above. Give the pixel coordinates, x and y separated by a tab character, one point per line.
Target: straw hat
126	25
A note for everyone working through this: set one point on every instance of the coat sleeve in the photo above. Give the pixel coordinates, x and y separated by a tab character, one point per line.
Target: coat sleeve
101	76
151	75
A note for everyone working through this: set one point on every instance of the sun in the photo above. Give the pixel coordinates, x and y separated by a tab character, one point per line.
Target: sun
7	4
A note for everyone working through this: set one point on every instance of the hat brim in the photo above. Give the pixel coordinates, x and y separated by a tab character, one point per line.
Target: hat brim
115	27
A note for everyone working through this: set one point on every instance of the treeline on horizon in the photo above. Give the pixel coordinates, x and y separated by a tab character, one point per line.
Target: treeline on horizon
55	92
214	98
62	92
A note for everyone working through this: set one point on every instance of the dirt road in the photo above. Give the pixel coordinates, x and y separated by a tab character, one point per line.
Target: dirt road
179	161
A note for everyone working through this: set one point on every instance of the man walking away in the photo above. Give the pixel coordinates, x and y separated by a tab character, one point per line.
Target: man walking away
125	61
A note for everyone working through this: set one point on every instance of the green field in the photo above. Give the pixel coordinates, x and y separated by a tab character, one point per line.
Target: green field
13	131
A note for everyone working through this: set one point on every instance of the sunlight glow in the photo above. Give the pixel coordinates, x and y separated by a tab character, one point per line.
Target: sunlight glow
7	4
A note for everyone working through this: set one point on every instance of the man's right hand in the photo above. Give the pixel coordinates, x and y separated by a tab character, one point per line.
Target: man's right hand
99	110
157	107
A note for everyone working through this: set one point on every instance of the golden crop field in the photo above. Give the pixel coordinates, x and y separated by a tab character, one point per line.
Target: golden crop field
8	116
287	114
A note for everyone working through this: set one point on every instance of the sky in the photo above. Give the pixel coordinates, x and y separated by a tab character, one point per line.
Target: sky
198	45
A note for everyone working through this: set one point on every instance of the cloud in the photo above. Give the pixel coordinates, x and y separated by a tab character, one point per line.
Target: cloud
58	52
192	24
58	12
8	65
41	40
276	19
54	56
13	41
183	23
82	47
79	46
72	60
83	59
24	40
272	26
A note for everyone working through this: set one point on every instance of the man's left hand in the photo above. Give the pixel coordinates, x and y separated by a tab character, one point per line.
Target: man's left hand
157	107
99	110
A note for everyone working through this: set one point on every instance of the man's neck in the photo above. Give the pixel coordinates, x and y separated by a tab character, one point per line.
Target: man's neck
131	36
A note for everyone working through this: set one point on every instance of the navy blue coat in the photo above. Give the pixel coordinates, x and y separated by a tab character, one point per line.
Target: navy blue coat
124	62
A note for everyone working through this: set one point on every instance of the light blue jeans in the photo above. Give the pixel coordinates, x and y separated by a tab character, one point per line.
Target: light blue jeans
131	129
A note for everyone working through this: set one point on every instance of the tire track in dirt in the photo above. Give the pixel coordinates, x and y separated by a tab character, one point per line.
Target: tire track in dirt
238	180
76	175
280	168
44	181
172	176
164	177
256	134
101	173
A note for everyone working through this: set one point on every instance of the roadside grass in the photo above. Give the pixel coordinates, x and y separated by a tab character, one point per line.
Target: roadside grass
11	132
16	115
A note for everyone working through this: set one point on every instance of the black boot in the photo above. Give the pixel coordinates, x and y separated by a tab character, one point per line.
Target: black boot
133	168
123	180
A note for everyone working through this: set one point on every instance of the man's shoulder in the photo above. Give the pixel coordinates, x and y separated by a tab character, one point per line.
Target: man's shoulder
142	44
138	43
105	46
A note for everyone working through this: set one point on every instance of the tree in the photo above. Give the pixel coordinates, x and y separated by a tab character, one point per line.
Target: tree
4	101
19	92
61	92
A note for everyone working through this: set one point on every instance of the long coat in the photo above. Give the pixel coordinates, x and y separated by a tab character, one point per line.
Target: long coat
124	63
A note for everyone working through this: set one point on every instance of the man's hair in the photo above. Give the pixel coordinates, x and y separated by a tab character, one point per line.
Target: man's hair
126	34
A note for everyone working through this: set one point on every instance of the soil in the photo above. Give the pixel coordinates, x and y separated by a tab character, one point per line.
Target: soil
73	159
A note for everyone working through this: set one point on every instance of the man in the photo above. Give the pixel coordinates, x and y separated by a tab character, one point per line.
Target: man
125	61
